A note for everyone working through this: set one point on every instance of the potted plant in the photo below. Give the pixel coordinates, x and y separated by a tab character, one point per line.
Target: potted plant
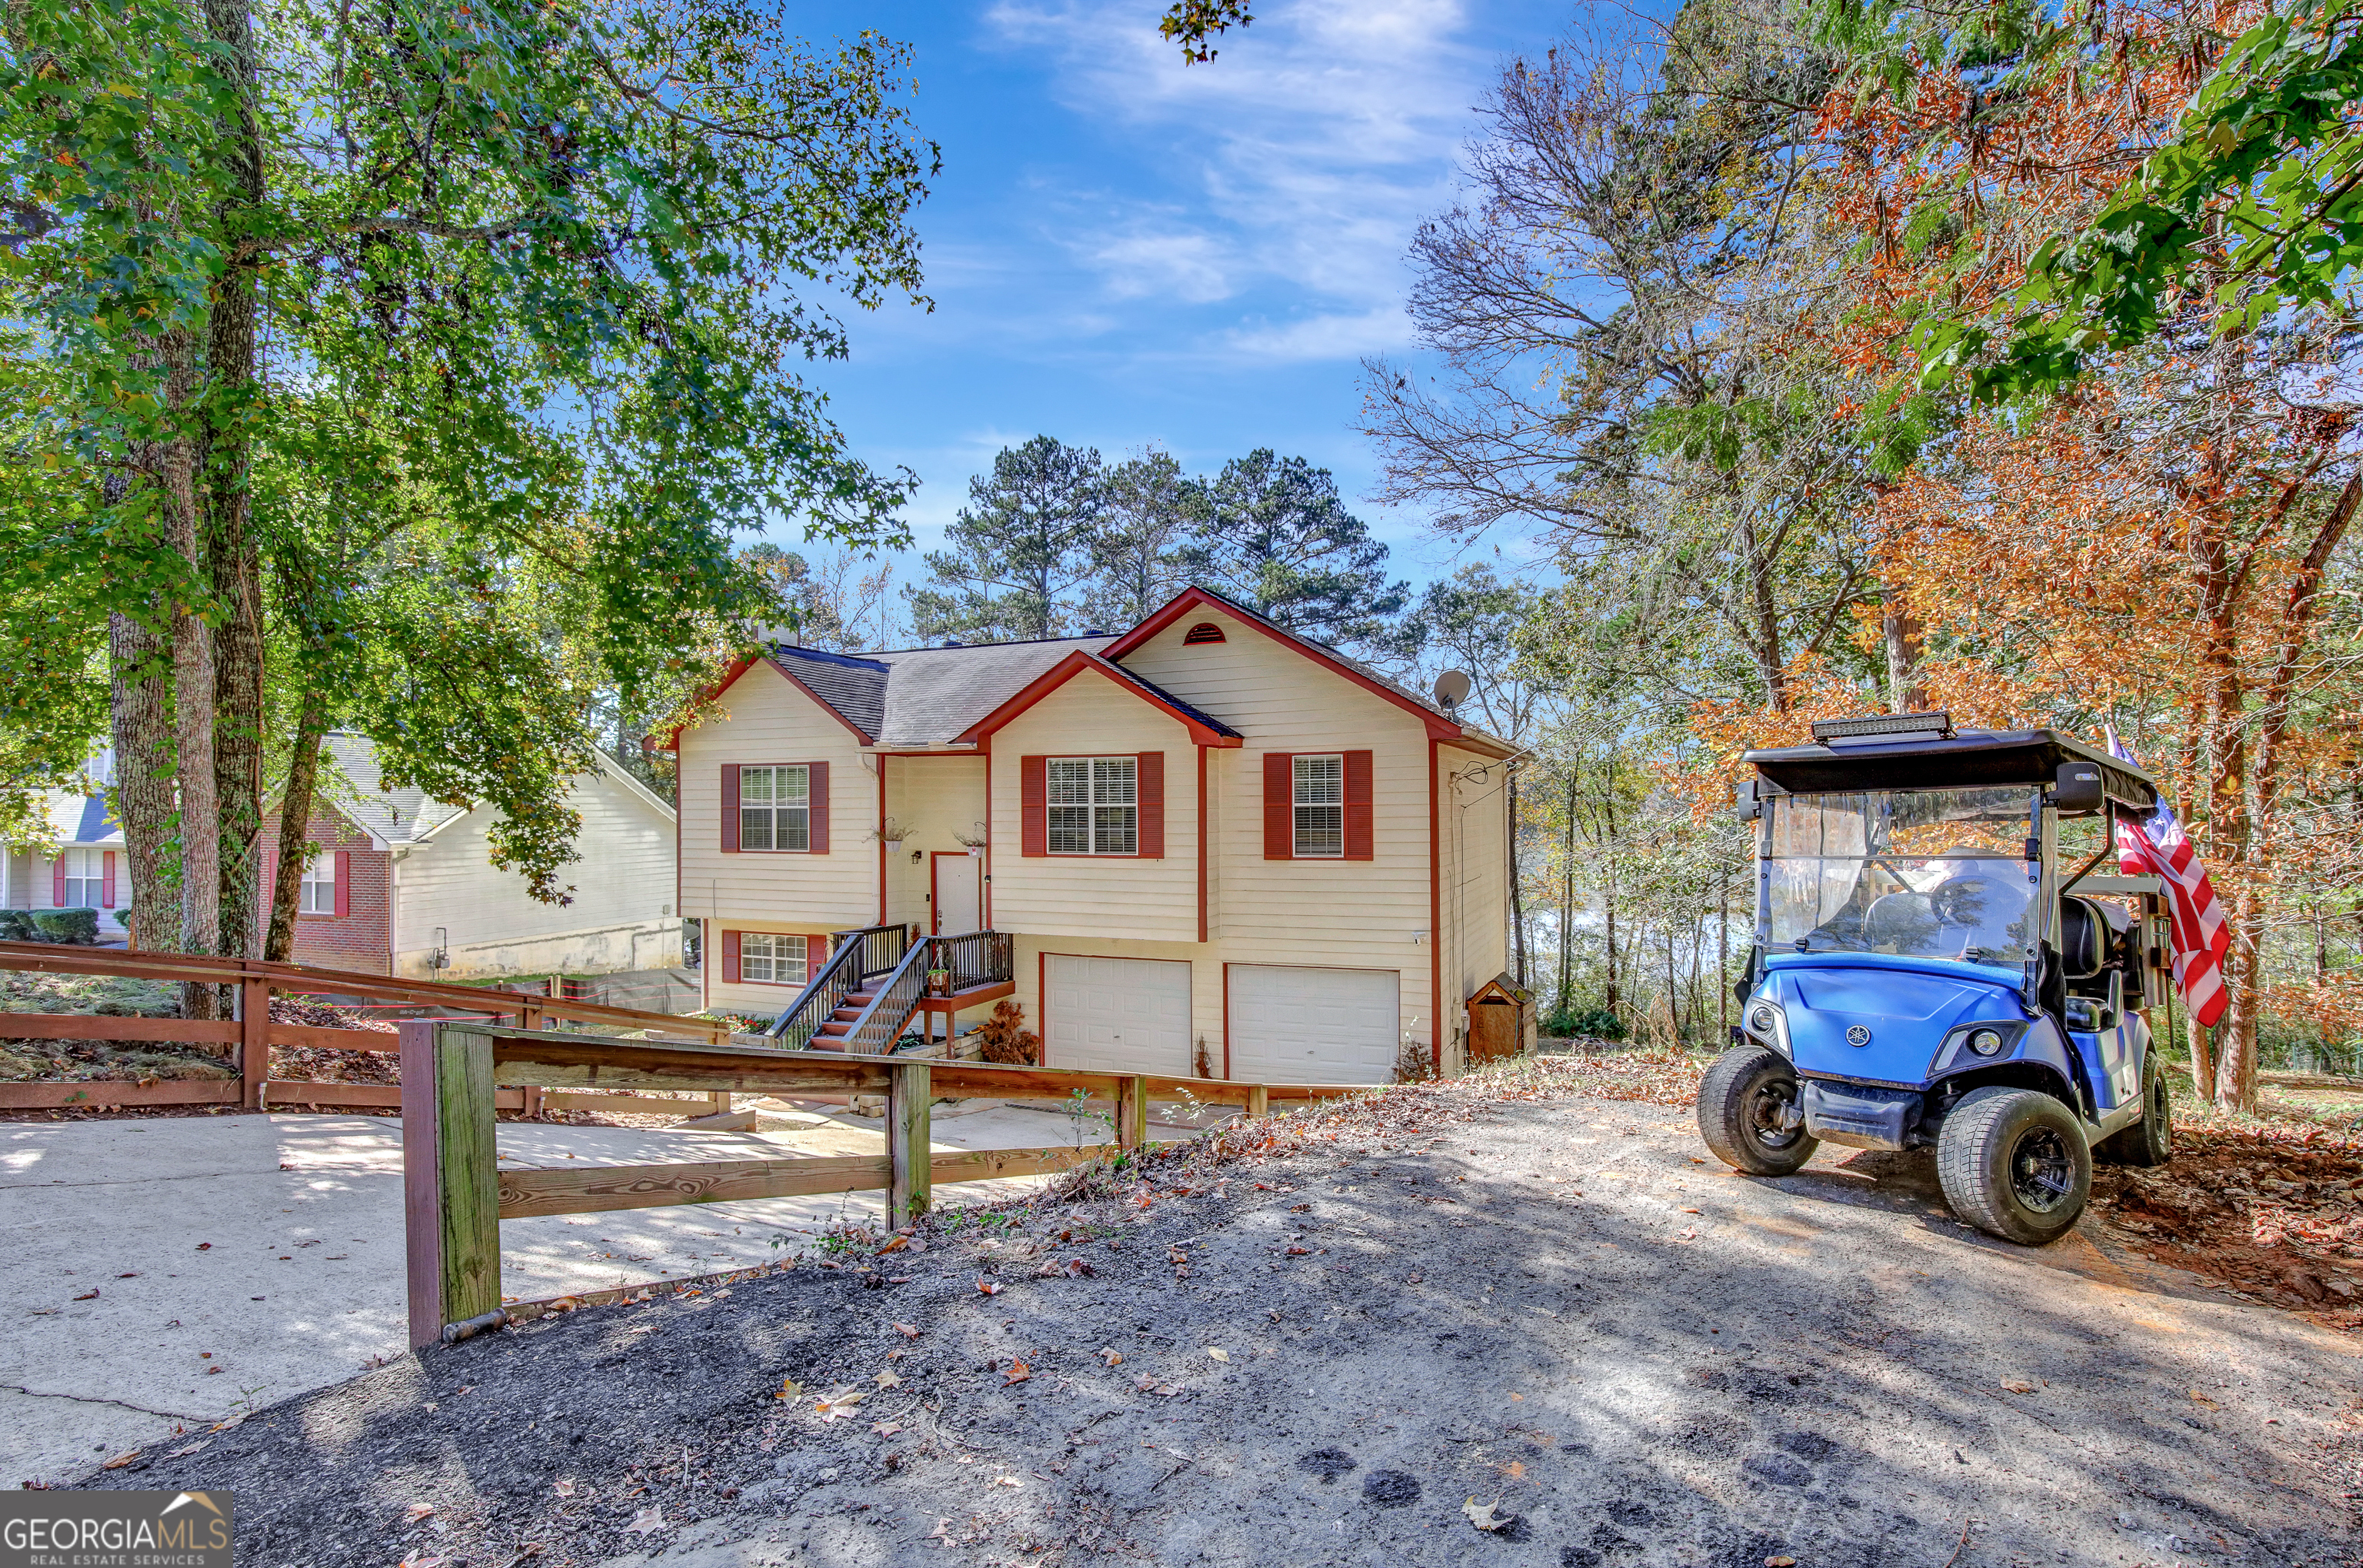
939	982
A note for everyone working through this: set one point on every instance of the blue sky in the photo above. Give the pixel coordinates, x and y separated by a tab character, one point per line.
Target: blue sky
1123	250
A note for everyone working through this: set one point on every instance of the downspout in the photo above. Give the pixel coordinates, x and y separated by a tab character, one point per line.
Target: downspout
1435	927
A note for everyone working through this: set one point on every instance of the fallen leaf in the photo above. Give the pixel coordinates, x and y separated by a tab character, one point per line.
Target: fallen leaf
1483	1515
648	1521
888	1380
989	1287
2017	1386
417	1511
1300	1251
1221	1355
895	1245
185	1453
838	1405
1111	1357
1779	1562
789	1388
563	1487
121	1459
87	1295
1690	1210
1689	1235
2199	1399
884	1428
907	1331
1007	1481
1018	1373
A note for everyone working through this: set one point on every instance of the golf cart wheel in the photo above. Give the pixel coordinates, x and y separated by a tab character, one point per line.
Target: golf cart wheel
1748	1112
2013	1162
2150	1141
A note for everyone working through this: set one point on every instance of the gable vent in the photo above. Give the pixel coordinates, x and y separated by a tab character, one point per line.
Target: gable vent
1204	632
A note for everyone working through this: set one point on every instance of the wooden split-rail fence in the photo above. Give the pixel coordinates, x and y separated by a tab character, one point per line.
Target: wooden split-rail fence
456	1196
246	1038
458	1074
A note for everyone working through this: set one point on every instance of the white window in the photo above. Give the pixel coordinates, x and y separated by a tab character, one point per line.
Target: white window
775	808
1095	805
318	895
1320	806
86	882
768	960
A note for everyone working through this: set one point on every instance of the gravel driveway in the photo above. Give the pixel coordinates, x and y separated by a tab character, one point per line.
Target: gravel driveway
1393	1326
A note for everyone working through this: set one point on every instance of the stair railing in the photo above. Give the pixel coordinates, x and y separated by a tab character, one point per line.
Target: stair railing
874	1031
974	958
822	996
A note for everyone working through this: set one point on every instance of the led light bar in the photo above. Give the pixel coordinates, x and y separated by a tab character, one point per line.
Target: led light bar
1883	726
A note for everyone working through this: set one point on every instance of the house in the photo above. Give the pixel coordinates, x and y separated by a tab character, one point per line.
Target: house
405	885
1216	847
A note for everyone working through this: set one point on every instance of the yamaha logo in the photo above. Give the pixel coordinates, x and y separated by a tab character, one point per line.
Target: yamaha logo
1857	1035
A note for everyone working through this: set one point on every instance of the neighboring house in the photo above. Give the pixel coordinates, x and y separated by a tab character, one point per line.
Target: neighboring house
1215	844
405	885
87	872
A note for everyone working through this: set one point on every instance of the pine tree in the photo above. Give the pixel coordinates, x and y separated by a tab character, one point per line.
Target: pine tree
1018	548
1148	546
1280	541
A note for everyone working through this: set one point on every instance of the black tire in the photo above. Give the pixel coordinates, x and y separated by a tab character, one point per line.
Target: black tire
1740	1107
2013	1162
2150	1141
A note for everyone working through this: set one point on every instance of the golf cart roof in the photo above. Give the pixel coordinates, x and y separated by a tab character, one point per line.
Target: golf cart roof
1944	759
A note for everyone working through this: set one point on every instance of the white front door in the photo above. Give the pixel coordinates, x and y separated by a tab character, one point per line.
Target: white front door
1121	1015
1292	1025
958	894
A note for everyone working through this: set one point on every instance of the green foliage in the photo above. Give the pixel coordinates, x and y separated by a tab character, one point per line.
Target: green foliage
1021	543
1593	1023
1283	543
77	926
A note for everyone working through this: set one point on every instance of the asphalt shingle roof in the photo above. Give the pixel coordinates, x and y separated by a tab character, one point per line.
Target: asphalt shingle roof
397	816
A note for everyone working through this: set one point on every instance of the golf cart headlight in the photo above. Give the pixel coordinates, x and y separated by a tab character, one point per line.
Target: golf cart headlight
1765	1018
1986	1042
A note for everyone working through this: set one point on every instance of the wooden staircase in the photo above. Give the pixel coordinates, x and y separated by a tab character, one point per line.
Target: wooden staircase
876	982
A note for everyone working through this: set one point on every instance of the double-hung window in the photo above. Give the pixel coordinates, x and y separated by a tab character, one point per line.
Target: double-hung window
318	893
766	959
775	808
1319	806
1093	805
85	883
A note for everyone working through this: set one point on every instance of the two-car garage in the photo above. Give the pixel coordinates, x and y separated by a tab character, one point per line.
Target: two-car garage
1287	1024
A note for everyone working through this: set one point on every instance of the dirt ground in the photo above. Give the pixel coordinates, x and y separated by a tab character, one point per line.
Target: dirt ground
1502	1320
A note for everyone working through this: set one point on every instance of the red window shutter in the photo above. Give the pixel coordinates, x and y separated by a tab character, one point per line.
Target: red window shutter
818	786
729	957
1279	803
729	808
1149	771
107	881
344	882
1034	805
1357	805
58	880
815	954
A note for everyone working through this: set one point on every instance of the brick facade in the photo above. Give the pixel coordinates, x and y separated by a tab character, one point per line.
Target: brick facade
363	937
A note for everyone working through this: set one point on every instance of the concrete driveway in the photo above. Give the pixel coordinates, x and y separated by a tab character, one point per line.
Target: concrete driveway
164	1273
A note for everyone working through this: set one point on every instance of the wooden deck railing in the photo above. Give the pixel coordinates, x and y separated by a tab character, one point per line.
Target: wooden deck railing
456	1197
251	1034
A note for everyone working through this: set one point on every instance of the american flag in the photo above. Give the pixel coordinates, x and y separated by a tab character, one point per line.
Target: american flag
2155	845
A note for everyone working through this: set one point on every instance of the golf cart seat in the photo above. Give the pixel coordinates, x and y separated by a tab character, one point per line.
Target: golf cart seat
1901	922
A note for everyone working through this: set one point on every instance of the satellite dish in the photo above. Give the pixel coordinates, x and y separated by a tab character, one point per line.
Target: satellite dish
1452	688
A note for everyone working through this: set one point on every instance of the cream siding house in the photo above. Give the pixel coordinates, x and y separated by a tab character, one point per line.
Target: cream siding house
1216	848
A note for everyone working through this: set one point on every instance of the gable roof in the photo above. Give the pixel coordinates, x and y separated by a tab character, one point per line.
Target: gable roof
1204	727
1441	725
393	816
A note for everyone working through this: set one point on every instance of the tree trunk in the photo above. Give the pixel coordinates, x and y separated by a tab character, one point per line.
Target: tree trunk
138	660
295	823
1902	632
2236	1034
1567	909
1517	898
1765	612
230	551
1608	878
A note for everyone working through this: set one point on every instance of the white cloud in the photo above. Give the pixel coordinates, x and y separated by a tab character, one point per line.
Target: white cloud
1302	158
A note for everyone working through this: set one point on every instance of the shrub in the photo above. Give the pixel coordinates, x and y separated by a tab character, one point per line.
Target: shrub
16	925
1006	1038
1597	1022
77	926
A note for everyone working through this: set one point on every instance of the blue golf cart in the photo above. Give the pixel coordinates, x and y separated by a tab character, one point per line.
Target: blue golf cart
1925	974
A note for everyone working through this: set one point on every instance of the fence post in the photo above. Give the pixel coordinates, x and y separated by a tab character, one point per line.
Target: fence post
1132	1113
1259	1101
910	1181
451	1185
254	1039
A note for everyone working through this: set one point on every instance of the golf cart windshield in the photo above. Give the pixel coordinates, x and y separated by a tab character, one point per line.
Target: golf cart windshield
1923	873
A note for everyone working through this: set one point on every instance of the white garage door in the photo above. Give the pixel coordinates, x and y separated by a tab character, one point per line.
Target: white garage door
1124	1015
1313	1026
